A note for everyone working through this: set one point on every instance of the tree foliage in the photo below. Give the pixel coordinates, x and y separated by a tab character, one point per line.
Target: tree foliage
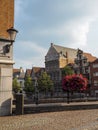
16	85
74	83
28	84
67	70
45	83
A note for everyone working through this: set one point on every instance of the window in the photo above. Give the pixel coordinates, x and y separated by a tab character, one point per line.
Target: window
95	65
95	82
86	70
95	74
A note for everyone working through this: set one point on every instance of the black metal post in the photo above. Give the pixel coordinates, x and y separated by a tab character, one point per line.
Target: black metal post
36	91
68	96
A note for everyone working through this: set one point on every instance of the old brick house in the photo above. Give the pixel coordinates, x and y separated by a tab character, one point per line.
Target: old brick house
94	77
82	65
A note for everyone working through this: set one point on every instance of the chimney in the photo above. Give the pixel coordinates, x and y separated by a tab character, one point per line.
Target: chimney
21	69
51	44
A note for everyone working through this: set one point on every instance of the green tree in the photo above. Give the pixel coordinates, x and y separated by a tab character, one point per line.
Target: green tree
45	83
28	85
67	70
16	85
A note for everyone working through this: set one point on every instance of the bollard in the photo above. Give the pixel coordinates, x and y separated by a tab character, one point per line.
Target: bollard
19	104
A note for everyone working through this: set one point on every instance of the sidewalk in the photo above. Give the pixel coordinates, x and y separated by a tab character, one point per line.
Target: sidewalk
64	120
79	119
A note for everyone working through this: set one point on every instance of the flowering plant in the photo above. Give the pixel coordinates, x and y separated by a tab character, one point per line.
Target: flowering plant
74	83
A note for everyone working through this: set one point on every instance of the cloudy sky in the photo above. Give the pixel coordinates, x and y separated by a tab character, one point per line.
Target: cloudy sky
69	23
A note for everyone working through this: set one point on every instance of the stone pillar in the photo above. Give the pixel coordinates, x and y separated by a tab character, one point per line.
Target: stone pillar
19	104
5	89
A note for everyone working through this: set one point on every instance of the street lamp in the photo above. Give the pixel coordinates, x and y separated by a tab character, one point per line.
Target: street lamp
36	90
12	33
68	95
34	79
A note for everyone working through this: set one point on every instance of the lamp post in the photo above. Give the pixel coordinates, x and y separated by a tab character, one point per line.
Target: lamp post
34	79
36	90
68	95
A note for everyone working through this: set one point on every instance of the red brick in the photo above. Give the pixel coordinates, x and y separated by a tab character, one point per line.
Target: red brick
6	16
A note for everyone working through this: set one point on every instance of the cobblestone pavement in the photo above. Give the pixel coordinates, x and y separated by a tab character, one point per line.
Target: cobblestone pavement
64	120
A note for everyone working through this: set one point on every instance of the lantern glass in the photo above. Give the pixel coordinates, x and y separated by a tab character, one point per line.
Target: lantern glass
12	32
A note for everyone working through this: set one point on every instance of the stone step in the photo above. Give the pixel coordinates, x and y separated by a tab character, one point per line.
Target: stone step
53	107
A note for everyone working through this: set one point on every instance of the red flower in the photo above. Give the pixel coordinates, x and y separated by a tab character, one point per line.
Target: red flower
74	83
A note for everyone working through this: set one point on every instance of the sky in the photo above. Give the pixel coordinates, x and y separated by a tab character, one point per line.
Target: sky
68	23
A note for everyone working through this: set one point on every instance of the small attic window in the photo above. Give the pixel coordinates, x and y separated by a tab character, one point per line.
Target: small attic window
64	56
61	52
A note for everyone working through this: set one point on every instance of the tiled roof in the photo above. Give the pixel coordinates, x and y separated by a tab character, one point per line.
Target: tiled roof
63	49
17	72
37	69
28	71
90	57
95	61
73	52
60	49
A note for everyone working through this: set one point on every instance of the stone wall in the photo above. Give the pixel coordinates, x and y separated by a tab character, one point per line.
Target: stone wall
5	90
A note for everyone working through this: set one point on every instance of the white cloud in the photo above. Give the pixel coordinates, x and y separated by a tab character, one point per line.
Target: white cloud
75	30
32	47
26	63
31	54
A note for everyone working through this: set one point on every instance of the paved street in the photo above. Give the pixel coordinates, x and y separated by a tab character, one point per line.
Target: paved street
64	120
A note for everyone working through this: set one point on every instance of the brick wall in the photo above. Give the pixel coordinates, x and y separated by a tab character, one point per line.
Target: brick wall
6	16
94	86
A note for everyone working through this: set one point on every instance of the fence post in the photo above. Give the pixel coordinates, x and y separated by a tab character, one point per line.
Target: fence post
19	104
